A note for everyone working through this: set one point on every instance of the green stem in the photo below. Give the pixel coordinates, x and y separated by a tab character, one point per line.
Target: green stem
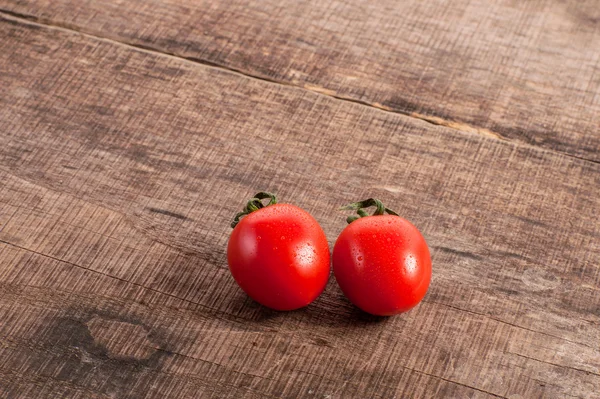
254	204
358	207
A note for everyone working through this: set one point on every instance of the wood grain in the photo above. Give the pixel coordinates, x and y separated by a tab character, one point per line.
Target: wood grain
120	171
525	71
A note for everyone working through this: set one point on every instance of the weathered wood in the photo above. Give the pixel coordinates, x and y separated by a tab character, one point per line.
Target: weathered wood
121	170
525	71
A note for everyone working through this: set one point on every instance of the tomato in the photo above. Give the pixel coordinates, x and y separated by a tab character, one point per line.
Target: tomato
381	262
278	254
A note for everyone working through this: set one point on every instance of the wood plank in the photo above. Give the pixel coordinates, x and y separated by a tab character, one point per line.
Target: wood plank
121	170
524	71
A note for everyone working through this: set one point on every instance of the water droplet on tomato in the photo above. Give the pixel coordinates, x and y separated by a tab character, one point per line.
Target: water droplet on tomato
360	258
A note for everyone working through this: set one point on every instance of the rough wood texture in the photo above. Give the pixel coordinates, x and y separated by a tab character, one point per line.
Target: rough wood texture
120	171
522	70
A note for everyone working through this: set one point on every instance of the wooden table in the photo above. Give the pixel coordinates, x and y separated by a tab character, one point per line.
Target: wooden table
132	131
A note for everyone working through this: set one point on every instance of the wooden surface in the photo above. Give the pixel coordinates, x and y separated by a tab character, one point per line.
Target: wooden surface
121	168
527	71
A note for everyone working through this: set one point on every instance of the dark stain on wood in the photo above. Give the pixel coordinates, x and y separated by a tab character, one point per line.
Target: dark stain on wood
83	358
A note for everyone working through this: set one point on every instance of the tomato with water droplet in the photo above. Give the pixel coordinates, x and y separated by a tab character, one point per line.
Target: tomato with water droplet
381	262
281	271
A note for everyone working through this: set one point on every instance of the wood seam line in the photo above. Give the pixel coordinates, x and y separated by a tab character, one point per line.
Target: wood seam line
181	249
506	323
434	120
234	318
554	364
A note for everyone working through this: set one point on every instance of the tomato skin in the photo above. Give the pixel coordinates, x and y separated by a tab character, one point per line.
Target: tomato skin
382	264
279	256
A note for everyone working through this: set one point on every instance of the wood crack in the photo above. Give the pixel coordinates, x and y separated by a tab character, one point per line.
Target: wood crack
434	120
554	364
186	251
457	383
508	323
209	309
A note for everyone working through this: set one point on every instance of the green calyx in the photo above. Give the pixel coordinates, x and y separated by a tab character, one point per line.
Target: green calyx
359	208
254	204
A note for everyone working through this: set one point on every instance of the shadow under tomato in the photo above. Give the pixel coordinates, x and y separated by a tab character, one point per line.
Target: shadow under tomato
361	316
330	309
249	309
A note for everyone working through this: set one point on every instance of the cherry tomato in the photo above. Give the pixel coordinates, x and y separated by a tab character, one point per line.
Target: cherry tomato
381	262
278	254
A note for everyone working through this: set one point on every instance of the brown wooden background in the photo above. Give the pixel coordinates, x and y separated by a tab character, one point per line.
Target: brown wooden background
131	132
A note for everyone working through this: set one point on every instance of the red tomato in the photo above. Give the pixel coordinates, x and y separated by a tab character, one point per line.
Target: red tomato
279	256
382	264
